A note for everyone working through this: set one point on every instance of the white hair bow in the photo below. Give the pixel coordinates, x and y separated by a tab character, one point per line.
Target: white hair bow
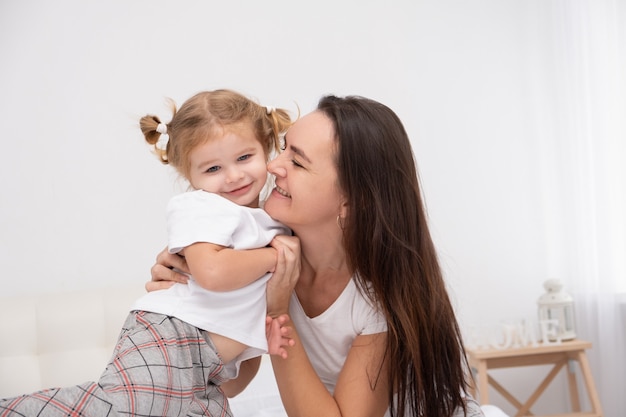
162	142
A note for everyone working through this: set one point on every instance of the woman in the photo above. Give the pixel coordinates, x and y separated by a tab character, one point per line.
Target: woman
374	327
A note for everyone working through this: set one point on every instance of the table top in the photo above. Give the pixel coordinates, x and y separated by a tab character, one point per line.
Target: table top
540	348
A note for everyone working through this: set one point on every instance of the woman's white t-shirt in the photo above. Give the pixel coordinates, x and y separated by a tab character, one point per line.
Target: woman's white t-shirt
328	337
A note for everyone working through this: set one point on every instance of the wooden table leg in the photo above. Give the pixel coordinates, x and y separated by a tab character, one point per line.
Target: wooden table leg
483	382
472	385
544	384
506	394
573	386
591	388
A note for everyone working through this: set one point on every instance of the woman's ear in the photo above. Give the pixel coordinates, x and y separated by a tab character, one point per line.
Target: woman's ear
343	209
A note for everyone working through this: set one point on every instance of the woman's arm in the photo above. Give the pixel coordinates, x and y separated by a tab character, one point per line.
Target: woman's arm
218	268
361	388
285	276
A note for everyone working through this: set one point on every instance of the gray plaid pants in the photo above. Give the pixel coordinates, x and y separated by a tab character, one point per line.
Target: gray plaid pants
161	366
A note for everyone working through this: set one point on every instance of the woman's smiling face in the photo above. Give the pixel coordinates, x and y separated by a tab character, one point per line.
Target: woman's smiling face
307	191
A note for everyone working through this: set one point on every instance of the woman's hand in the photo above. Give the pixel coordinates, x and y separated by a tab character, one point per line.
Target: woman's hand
285	276
168	270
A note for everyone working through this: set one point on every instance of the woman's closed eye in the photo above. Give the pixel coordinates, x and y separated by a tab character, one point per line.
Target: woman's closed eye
283	149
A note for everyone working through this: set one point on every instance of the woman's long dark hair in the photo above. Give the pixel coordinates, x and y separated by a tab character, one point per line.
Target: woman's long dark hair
389	247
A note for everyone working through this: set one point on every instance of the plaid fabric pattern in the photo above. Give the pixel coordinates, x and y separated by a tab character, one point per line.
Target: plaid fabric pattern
161	366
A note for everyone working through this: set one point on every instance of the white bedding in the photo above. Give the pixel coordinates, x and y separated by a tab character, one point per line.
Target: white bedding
261	398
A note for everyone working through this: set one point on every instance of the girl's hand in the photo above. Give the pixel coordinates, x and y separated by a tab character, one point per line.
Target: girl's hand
283	281
168	270
279	335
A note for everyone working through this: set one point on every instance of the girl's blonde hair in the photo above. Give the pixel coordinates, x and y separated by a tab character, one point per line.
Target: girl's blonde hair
205	116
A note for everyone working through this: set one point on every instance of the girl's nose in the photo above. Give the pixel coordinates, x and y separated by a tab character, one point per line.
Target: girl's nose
234	175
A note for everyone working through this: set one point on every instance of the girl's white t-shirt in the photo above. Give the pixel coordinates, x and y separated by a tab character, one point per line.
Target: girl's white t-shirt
199	216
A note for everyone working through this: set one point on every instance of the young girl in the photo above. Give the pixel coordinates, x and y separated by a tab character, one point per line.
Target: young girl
178	346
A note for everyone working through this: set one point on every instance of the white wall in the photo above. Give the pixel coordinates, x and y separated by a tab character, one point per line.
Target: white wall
83	198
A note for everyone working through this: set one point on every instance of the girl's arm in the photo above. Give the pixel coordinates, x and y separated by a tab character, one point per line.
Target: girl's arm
217	268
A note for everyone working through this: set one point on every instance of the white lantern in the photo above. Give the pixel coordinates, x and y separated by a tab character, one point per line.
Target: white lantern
557	307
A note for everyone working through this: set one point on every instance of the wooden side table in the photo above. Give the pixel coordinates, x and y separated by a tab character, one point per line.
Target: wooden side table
559	355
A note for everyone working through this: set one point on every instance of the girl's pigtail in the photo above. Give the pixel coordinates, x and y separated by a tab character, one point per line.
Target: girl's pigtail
156	135
279	123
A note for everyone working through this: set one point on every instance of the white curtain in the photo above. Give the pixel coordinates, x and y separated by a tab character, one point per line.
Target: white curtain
581	115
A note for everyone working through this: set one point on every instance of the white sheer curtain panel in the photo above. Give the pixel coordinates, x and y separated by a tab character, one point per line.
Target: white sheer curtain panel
582	136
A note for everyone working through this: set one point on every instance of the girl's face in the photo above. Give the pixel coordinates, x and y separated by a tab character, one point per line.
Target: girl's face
232	165
306	192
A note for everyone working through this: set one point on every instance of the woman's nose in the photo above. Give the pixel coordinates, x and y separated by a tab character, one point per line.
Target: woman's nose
275	167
